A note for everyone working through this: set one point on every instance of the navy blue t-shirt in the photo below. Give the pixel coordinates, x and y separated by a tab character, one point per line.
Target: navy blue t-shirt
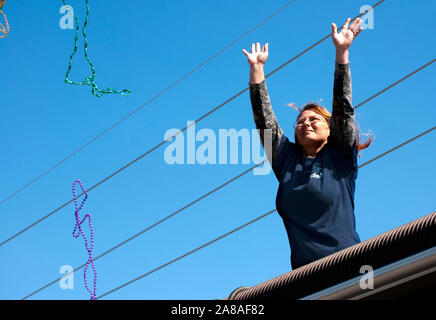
315	199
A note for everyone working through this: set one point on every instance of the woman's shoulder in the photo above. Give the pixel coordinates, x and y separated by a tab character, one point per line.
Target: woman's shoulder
289	146
341	158
287	152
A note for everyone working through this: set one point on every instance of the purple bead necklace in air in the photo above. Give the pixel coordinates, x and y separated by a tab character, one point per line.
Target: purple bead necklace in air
75	235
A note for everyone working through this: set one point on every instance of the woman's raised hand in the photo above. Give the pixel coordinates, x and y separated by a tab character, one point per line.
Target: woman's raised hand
343	39
257	57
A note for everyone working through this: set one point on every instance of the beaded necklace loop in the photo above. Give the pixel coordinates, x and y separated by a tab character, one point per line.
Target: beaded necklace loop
78	227
90	80
3	30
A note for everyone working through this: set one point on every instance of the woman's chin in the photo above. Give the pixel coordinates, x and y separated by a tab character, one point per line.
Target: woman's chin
308	139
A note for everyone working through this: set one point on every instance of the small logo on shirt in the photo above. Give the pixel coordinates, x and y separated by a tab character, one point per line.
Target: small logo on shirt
316	171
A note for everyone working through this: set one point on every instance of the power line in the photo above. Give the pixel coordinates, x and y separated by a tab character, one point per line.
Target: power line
150	227
399	146
187	254
146	103
243	226
169	139
395	83
237	177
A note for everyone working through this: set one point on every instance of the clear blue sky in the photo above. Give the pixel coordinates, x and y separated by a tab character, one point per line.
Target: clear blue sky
147	45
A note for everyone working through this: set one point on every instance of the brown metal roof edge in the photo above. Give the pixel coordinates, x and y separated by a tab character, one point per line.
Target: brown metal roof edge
390	281
379	251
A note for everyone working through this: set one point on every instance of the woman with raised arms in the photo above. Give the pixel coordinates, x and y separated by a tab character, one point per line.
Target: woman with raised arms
317	172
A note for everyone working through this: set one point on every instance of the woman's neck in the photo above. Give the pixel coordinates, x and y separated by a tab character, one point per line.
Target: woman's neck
312	151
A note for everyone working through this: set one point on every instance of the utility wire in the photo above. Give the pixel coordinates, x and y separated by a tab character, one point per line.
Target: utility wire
241	227
169	139
397	147
146	103
395	83
187	254
232	180
150	227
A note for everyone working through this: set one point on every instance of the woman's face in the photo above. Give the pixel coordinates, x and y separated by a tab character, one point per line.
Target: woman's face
311	129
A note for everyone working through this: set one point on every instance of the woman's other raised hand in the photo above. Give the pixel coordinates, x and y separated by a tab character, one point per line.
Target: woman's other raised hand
257	59
257	56
345	37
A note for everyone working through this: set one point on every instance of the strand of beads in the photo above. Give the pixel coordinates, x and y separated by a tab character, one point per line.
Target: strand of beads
90	80
78	227
3	30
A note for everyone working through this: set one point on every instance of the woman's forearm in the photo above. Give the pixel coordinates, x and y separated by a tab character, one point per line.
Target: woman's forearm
342	127
342	56
264	116
256	74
